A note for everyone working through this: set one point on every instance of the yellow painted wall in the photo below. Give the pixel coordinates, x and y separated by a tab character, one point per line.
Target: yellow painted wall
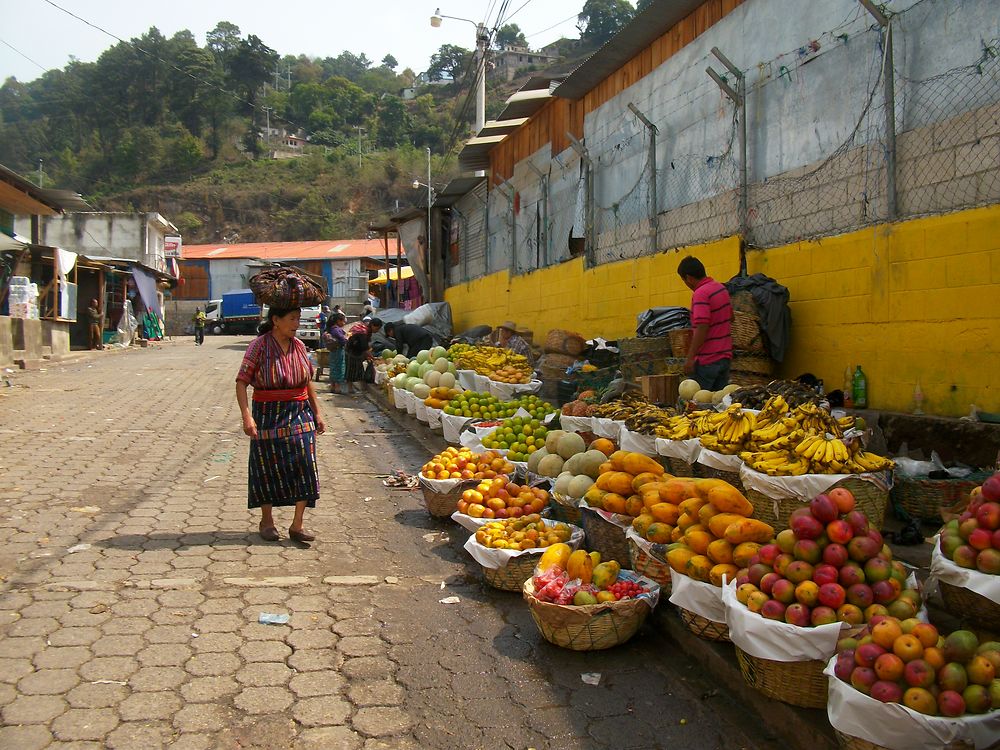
915	300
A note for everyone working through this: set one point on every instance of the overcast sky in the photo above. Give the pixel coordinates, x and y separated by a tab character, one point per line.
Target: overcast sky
50	37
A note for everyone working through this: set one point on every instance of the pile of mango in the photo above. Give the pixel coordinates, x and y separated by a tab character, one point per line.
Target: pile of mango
705	522
618	480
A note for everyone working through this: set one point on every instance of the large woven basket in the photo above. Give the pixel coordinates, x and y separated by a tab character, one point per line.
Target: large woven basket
744	378
511	577
564	342
709	472
746	333
799	683
871	500
709	630
971	607
847	742
923	498
589	628
655	346
561	509
604	537
443	504
678	466
648	565
680	341
751	362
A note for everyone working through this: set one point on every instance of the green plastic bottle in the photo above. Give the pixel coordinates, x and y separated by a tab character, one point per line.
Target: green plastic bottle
859	389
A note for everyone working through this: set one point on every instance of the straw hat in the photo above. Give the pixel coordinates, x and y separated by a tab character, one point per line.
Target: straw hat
509	325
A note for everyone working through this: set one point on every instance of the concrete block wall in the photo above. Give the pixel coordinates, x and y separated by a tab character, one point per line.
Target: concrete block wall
55	336
178	314
6	342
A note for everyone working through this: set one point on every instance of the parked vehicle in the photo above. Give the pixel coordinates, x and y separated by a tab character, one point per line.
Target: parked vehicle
239	313
213	313
308	330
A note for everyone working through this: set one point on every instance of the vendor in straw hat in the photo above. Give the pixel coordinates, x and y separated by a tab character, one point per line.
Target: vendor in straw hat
508	338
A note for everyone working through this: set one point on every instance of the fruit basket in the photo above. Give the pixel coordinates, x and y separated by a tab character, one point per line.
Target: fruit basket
968	594
704	628
799	683
847	742
971	607
591	627
923	498
441	504
700	607
603	535
679	467
712	465
513	575
564	509
871	495
644	560
746	332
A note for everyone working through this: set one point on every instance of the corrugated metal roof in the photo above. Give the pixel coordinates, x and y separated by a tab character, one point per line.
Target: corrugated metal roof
322	250
643	30
54	198
501	127
456	189
475	155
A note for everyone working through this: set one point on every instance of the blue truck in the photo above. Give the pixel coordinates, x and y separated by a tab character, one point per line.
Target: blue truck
238	313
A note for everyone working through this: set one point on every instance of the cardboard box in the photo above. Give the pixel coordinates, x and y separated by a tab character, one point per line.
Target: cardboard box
660	389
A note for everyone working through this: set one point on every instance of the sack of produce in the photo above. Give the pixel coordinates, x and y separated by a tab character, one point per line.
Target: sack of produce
286	288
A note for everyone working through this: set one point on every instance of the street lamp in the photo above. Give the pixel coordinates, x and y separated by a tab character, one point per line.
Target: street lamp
482	38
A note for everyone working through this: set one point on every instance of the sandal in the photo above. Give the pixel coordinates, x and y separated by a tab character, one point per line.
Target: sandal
301	536
269	534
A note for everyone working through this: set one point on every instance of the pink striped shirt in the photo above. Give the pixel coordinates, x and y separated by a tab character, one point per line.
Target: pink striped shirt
266	367
710	306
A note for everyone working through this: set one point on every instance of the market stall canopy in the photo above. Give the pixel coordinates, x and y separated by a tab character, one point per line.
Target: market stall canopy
394	275
128	263
456	190
475	155
12	243
288	251
20	196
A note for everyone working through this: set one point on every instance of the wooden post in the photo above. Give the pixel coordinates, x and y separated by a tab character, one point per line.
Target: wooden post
385	291
399	270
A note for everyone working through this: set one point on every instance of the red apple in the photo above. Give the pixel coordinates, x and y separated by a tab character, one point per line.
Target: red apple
860	595
980	539
773	610
844	665
768	553
862	549
757	573
919	673
806	527
808	551
824	509
951	703
991	489
768	581
783	590
862	678
844	499
839	532
851	574
883	592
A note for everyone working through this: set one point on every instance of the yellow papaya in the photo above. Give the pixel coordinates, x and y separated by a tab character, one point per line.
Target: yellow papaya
556	555
692	505
618	482
665	513
642	479
677	490
720	551
678	556
720	522
698	540
705	514
614	503
580	565
618	460
605	574
722	569
642	522
677	534
659	533
686	520
595	557
744	552
723	496
595	497
749	530
633	505
698	567
639	463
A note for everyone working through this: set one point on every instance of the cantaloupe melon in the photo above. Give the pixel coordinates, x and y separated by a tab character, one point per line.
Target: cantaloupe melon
423	355
441	364
413	369
562	483
573	464
447	380
688	388
433	378
590	463
552	440
421	390
703	397
579	486
550	466
438	352
534	458
717	396
569	444
399	381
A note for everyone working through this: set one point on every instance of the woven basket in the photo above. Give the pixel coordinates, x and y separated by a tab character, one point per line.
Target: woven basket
741	377
655	346
678	466
680	341
871	500
512	576
799	683
604	536
559	511
443	504
704	628
924	498
847	742
590	628
746	332
647	565
559	341
709	472
971	607
749	362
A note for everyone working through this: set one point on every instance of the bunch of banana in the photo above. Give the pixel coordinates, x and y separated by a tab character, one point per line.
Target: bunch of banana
487	359
776	463
729	430
847	423
623	408
825	455
776	430
648	418
775	409
863	461
814	419
677	428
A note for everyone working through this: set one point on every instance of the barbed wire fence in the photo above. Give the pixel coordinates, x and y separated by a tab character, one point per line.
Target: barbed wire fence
642	182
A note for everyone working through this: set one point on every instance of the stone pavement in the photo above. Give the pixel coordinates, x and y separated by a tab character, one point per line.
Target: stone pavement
132	584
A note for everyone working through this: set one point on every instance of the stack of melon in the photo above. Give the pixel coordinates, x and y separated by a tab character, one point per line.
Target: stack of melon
689	390
428	371
567	458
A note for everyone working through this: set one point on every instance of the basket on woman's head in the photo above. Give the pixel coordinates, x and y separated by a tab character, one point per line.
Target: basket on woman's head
286	288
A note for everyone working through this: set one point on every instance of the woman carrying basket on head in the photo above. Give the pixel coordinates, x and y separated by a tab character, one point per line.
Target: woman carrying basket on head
285	416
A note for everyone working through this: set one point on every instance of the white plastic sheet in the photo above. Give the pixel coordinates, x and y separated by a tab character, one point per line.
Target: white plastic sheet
896	727
434	418
507	391
451	426
618	519
685	450
697	596
471	381
441	485
421	410
575	424
720	461
498	558
606	428
777	641
943	569
805	487
399	398
636	442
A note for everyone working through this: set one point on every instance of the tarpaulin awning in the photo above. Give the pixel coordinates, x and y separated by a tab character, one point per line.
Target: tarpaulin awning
393	275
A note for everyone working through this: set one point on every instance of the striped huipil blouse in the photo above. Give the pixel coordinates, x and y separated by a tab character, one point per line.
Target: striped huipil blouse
282	467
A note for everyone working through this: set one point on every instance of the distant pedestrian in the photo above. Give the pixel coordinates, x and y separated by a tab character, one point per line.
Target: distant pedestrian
710	353
335	340
509	338
282	425
359	351
199	326
96	318
409	338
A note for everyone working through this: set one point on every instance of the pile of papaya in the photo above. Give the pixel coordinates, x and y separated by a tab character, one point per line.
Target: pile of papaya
618	479
705	524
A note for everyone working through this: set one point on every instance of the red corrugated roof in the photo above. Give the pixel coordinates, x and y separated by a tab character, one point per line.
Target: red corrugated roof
324	250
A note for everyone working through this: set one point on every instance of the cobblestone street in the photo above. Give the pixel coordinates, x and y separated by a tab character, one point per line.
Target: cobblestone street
133	580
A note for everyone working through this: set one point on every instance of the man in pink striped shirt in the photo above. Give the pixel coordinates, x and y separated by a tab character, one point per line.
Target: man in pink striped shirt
711	351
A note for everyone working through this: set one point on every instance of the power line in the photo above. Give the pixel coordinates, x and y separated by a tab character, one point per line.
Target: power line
43	68
507	19
565	20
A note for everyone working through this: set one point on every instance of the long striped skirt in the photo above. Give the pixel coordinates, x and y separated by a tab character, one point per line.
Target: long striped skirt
283	457
355	368
337	366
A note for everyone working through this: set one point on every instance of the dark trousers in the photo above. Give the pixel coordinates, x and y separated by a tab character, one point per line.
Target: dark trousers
96	339
713	377
199	334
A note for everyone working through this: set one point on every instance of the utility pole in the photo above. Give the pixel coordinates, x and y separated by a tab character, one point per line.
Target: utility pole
482	41
889	95
39	172
360	131
267	127
288	77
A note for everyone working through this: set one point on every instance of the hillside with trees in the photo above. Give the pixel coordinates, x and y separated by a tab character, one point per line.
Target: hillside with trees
165	124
